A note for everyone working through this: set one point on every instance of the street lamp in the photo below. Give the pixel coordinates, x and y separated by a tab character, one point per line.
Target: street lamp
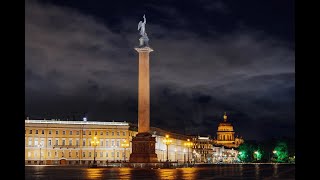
124	145
40	146
167	141
94	143
188	144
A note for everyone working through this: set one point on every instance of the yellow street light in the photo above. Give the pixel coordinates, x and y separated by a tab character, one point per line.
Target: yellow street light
188	144
167	141
125	144
94	143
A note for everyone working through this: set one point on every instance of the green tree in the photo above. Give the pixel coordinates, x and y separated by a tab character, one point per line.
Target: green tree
281	152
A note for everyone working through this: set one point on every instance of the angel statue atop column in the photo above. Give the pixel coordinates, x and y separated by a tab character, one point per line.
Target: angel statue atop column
142	27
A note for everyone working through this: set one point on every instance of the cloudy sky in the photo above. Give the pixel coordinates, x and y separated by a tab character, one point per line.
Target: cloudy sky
209	57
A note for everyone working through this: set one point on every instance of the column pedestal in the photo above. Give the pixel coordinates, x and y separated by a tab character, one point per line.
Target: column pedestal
143	149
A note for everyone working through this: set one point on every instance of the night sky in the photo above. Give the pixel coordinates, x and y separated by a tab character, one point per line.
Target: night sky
209	57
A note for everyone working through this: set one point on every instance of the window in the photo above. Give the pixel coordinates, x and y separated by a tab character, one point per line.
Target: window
123	133
42	131
112	154
57	142
56	154
35	141
106	154
107	143
77	142
118	133
69	153
70	142
118	143
50	132
57	132
95	133
84	143
49	142
30	142
89	154
112	143
49	154
101	133
112	133
70	132
77	132
89	132
63	142
62	154
101	154
83	154
36	131
83	132
107	133
36	155
29	154
117	154
77	154
64	132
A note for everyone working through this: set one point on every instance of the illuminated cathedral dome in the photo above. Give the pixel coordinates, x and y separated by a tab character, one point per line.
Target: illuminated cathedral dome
225	134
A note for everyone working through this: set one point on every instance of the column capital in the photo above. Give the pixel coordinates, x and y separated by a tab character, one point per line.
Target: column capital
144	49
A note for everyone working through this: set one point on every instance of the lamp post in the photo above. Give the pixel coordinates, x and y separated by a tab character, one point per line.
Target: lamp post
167	141
274	152
94	143
125	145
188	144
40	146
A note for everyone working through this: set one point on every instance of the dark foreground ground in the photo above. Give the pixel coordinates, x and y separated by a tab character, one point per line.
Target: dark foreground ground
231	171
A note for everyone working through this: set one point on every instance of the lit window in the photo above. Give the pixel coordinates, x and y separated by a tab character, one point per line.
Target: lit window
123	133
107	143
112	134
63	142
49	154
77	142
117	154
107	133
49	142
83	154
89	154
101	133
29	154
106	154
77	153
101	154
118	143
57	142
69	153
101	142
70	142
30	142
118	133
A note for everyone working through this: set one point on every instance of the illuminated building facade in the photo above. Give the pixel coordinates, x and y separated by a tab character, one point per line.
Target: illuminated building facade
202	149
54	142
225	135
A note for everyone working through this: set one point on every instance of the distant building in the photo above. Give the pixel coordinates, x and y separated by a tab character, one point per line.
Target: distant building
202	149
225	135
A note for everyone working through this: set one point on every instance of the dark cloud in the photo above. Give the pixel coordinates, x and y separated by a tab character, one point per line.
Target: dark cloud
78	63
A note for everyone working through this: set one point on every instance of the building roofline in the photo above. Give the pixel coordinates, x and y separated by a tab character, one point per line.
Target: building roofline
76	122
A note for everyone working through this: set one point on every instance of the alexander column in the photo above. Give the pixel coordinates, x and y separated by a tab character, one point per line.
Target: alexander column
143	145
